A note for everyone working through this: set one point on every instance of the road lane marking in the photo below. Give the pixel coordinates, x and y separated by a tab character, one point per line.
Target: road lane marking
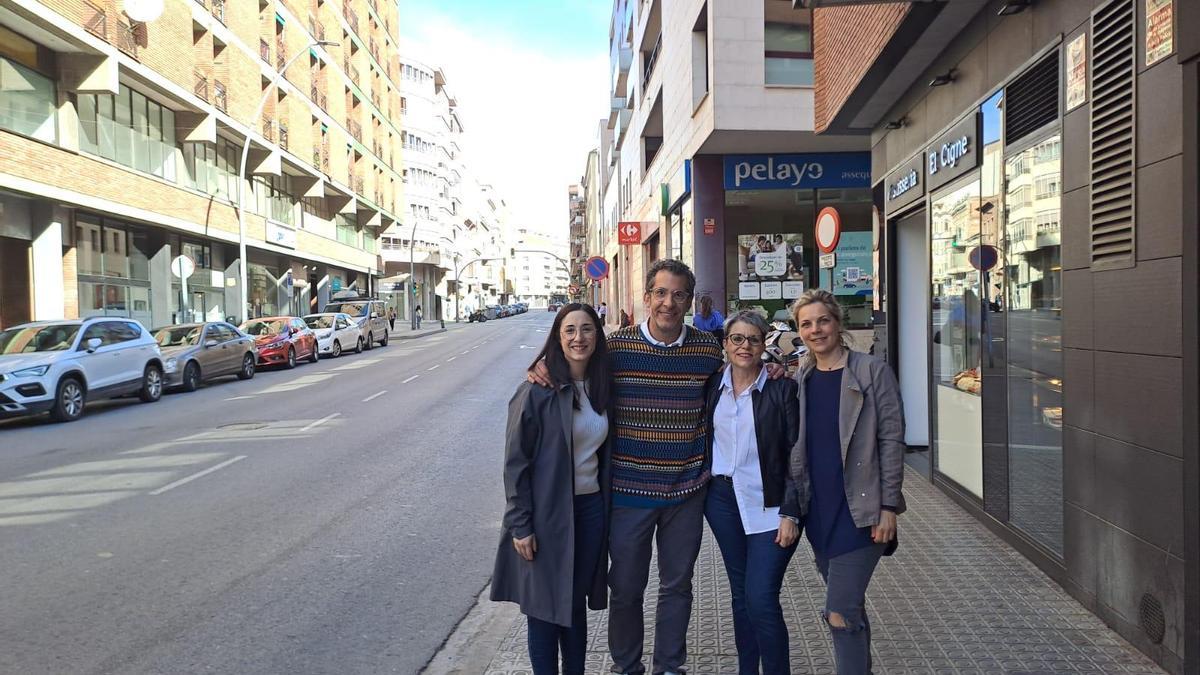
465	353
319	422
451	359
183	481
238	398
372	397
434	367
410	379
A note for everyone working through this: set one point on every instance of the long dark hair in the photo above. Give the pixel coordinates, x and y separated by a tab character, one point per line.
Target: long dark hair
598	374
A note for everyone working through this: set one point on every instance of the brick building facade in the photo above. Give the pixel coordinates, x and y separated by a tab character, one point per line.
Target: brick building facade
120	149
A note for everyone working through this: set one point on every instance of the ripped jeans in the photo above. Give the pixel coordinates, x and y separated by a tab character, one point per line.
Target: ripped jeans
846	578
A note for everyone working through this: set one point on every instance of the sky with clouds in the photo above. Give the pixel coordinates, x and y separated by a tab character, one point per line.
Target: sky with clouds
531	79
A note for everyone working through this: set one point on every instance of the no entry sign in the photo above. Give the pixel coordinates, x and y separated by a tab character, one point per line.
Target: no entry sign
596	268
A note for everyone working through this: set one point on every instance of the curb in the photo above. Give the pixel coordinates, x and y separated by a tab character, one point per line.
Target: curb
477	638
420	335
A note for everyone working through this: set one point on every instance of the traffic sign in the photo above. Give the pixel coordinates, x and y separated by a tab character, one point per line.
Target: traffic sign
983	258
574	290
182	266
828	261
596	268
829	229
629	233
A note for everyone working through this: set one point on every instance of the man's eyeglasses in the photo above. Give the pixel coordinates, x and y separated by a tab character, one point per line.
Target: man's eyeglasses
572	332
679	297
739	340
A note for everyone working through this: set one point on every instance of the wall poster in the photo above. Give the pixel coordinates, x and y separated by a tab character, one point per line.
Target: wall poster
1160	40
772	257
1077	71
854	273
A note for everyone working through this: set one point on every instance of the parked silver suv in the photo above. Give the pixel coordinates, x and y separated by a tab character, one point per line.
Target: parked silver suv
58	366
368	313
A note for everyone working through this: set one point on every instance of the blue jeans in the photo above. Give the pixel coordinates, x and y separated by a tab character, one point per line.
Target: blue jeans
545	638
755	565
846	578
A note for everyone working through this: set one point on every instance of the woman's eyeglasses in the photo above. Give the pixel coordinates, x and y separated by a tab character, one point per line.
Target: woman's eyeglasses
738	339
571	332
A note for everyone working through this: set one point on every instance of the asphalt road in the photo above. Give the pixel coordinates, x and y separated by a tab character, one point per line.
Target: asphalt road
339	518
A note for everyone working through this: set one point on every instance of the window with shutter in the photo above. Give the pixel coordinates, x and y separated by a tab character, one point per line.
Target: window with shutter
1112	159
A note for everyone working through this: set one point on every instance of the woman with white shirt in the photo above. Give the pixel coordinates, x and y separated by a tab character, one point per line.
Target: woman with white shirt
552	558
751	507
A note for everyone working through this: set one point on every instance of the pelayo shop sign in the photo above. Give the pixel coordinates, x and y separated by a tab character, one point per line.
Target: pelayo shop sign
798	172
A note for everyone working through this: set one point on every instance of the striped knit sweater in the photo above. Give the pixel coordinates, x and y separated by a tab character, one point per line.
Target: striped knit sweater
661	428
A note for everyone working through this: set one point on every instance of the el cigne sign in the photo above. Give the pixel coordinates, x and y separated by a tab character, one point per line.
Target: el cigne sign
950	156
798	172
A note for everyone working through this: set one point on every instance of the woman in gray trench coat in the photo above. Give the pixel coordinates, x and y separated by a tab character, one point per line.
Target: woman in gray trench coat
553	553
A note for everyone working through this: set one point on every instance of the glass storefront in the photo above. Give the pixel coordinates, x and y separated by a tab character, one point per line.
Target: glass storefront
1033	305
771	258
113	267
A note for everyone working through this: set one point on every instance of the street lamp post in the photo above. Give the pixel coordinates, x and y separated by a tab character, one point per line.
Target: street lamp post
241	204
458	286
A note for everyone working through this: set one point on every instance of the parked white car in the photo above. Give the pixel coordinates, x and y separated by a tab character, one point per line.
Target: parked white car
58	366
336	332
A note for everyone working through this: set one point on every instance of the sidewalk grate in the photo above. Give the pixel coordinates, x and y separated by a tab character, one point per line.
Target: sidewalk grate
954	599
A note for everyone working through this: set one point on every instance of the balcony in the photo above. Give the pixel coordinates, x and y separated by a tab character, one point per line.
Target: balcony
373	48
218	10
200	89
621	59
351	17
378	148
317	96
268	129
264	50
351	71
280	53
219	99
316	28
358	184
651	61
283	136
127	38
320	158
355	130
95	21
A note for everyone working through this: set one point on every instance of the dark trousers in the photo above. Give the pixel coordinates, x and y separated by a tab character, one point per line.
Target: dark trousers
677	530
392	323
545	638
755	565
846	579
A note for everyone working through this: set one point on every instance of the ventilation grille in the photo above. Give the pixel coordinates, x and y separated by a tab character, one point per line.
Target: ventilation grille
1114	54
1032	99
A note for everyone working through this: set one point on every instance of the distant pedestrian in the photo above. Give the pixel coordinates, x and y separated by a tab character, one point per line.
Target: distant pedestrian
626	321
602	310
392	318
751	508
709	319
553	554
850	442
417	315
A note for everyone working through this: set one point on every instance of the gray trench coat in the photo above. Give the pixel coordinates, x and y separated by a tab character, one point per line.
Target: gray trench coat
871	427
539	486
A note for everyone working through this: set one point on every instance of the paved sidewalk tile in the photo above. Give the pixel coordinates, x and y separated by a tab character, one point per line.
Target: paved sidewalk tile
954	599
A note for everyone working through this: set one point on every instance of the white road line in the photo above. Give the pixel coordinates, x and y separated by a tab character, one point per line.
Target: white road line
319	422
238	398
451	359
372	397
410	379
183	481
434	367
465	353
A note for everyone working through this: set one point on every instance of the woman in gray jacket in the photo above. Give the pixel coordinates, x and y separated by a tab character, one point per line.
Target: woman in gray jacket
848	466
553	553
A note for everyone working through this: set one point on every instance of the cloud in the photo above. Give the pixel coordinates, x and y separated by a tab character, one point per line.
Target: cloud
529	115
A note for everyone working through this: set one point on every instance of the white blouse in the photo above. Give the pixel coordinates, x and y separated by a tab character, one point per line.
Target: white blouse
589	430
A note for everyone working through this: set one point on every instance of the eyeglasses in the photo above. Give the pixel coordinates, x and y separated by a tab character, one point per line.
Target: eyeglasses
678	297
739	339
571	332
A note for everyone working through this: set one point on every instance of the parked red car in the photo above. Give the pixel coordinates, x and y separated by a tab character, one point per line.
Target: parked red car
281	340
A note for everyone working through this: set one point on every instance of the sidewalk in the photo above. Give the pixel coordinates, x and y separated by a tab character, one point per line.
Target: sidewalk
954	599
404	330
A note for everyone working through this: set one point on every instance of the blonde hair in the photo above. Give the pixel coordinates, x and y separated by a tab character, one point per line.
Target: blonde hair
824	297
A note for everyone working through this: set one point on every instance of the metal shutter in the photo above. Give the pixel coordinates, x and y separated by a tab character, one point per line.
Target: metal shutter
1031	100
1112	159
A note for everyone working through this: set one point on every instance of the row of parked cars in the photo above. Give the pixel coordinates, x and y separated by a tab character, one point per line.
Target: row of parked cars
57	367
498	311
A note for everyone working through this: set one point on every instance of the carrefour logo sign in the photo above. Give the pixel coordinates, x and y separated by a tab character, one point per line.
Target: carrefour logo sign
796	172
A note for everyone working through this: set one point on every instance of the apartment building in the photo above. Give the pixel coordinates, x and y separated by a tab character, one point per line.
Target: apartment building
576	208
539	269
455	223
712	158
121	144
1034	168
